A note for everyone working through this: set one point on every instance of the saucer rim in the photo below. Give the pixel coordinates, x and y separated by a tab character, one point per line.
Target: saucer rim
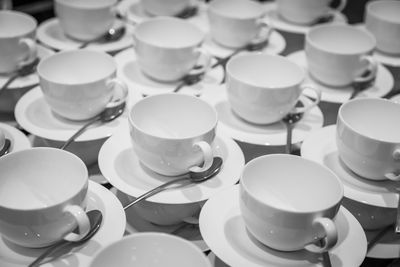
19	140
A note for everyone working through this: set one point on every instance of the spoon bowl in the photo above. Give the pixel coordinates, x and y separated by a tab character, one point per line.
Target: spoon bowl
112	35
24	70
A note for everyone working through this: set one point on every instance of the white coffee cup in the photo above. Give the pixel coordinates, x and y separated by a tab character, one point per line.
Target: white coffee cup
42	197
367	137
172	133
236	23
338	55
17	40
263	88
288	203
382	19
307	11
84	20
168	48
165	7
79	84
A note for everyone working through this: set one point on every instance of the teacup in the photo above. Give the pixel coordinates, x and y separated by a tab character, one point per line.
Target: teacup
165	7
43	197
289	203
307	11
338	55
383	21
151	249
172	133
263	88
79	84
17	40
236	23
168	48
367	138
85	20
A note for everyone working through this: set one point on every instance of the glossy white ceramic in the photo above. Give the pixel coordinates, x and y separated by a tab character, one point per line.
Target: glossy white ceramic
164	7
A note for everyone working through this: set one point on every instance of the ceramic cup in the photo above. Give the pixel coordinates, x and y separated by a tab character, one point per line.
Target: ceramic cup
85	20
152	250
17	40
168	48
236	23
42	197
172	133
338	55
165	7
79	84
367	137
263	88
383	21
288	203
307	11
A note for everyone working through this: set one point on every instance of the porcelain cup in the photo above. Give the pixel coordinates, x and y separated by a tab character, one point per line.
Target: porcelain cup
165	7
263	88
168	48
289	203
79	84
367	138
17	40
42	197
338	55
85	20
307	12
236	23
172	133
383	21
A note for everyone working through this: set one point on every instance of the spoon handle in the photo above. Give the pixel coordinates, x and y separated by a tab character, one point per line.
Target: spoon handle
48	252
378	237
9	81
79	132
288	148
154	191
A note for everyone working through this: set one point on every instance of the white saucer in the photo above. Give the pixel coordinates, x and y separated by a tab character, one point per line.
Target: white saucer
121	167
50	33
19	140
31	79
135	223
130	72
383	84
276	45
279	23
224	230
268	135
35	116
112	229
396	98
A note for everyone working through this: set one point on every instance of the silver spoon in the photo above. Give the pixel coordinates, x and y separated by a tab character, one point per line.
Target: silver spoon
23	71
95	219
6	147
111	35
189	79
109	114
193	177
289	120
188	12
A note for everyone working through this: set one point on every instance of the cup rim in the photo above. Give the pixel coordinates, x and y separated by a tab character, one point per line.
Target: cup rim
370	10
87	7
261	11
24	16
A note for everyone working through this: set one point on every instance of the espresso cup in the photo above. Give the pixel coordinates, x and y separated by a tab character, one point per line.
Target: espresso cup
236	23
172	134
165	7
263	88
289	203
17	40
383	21
79	84
338	55
85	20
307	11
168	48
42	197
367	138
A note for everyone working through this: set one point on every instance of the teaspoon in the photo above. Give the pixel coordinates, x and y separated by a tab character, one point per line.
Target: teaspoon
189	79
110	36
23	71
193	177
289	120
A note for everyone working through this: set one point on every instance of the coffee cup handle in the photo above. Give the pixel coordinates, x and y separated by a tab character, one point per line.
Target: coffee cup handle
394	176
264	32
326	231
372	68
82	221
120	94
307	107
203	63
206	150
32	50
341	6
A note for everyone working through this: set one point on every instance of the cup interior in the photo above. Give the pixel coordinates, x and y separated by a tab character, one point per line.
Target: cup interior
385	10
173	116
291	183
14	24
39	178
237	9
267	71
374	118
87	4
77	67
